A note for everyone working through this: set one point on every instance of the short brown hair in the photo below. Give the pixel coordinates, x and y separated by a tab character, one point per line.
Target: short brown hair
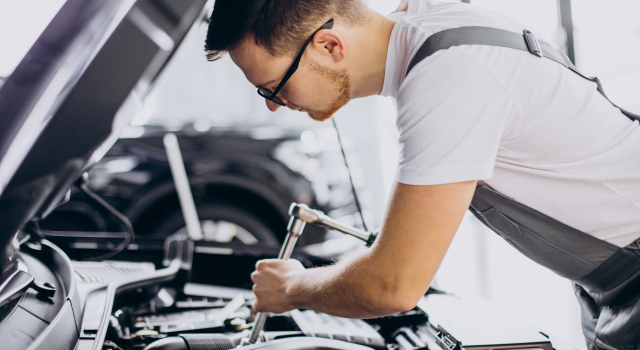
279	26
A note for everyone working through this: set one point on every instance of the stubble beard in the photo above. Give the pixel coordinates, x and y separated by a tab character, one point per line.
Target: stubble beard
341	80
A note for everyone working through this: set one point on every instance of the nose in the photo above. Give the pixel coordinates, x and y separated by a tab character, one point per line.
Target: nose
272	106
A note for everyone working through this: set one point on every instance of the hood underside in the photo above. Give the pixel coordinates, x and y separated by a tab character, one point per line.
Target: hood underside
74	92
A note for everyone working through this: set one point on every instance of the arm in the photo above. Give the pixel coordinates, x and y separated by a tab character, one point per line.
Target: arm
391	276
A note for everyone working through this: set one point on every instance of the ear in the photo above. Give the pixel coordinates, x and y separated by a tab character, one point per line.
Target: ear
329	44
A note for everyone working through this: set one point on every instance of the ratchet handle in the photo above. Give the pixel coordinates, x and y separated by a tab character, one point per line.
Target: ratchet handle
261	318
319	218
294	230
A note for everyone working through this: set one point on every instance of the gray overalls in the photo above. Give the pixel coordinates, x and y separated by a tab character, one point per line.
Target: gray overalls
606	277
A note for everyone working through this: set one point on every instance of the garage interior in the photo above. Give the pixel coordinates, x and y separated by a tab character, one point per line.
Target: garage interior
204	217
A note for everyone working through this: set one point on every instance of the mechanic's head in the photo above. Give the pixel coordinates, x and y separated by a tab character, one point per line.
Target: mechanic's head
264	37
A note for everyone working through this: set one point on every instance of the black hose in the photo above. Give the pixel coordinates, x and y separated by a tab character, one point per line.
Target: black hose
353	188
124	221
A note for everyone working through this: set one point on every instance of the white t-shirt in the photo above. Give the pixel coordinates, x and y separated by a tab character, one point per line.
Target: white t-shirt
529	127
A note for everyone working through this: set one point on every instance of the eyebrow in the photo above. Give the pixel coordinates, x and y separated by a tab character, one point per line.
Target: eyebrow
267	83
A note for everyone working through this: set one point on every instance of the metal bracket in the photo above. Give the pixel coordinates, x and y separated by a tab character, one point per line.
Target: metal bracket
532	43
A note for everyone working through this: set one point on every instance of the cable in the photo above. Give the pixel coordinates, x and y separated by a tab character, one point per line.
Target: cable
353	188
82	185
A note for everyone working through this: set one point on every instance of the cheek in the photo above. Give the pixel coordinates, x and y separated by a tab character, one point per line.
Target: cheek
305	88
309	94
299	96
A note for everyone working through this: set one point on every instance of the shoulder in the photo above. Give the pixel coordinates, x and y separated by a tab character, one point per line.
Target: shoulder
459	71
439	17
430	17
433	16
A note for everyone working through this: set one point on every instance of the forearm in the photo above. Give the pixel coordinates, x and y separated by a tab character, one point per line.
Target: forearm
389	277
395	272
355	288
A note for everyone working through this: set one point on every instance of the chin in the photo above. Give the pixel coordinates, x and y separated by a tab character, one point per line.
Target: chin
343	97
319	116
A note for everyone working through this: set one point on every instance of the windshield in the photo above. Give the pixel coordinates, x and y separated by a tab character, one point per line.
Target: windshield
21	23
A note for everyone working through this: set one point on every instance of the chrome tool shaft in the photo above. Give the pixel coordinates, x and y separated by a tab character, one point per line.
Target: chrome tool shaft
317	217
294	230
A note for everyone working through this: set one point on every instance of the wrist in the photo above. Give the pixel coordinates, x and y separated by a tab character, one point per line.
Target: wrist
294	291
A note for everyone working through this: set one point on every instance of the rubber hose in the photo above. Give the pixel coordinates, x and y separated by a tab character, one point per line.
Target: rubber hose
193	342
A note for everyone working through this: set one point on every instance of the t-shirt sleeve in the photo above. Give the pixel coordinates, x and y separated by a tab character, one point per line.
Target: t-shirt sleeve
451	115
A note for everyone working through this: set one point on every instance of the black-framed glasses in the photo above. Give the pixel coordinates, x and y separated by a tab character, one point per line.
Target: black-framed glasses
272	96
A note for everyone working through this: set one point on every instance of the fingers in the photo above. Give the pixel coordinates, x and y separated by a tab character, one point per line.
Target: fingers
261	284
264	269
262	264
261	305
254	310
271	279
266	264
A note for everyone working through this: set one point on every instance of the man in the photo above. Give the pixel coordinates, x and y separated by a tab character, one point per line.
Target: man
527	127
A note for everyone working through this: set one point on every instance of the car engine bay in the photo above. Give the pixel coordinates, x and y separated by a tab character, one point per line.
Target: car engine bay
131	305
202	316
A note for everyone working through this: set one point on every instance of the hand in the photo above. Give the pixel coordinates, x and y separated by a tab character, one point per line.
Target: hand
272	280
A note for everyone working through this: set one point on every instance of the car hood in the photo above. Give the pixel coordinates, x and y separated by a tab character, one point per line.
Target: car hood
79	85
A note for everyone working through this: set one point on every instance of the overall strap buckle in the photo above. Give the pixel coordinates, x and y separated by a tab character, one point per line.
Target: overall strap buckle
532	43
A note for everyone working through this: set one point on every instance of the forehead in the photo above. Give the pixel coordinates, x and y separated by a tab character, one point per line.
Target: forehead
257	64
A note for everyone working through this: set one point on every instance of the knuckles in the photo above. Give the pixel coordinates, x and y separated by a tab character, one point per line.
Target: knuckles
268	278
256	307
263	265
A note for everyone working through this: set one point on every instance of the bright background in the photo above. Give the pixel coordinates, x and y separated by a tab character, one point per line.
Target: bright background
479	263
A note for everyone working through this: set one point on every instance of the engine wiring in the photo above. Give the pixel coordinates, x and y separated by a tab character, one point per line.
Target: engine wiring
130	236
353	188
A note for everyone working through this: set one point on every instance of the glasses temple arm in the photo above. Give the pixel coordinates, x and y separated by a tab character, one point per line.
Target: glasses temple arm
296	62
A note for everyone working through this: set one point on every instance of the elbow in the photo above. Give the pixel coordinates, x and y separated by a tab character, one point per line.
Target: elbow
406	301
399	299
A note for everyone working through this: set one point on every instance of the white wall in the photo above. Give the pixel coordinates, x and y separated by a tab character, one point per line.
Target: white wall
21	23
607	37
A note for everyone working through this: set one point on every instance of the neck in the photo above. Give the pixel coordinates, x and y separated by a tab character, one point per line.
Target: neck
369	55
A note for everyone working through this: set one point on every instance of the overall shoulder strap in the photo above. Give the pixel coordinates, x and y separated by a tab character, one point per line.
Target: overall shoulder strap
503	38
